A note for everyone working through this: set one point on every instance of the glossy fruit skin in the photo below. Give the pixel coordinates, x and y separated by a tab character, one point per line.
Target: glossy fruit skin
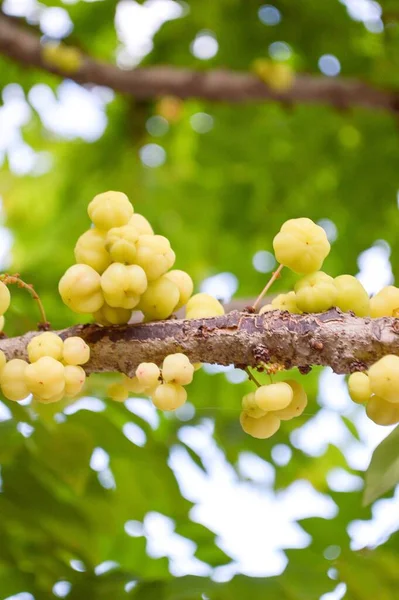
169	396
382	412
274	396
90	250
75	351
250	407
121	244
176	368
351	295
184	283
5	298
148	374
202	306
385	303
80	289
260	428
12	380
45	344
301	245
45	378
110	209
154	255
384	378
316	292
122	285
297	404
160	299
359	387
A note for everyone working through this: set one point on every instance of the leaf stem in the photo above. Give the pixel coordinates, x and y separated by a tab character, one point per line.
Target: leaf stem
272	279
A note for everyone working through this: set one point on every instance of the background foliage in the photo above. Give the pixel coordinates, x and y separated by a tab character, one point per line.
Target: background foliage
219	183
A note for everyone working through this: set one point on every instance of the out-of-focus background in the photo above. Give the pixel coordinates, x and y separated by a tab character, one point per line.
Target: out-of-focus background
104	500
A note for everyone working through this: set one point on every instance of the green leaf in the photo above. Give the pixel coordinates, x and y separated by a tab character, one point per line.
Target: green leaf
383	472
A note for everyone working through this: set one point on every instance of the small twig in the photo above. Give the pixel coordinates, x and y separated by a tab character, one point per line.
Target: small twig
251	377
43	325
272	279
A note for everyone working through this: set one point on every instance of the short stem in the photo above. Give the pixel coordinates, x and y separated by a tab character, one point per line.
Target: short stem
272	279
251	377
10	279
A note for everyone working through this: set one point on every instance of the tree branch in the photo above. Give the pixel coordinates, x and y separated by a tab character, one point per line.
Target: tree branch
344	342
220	85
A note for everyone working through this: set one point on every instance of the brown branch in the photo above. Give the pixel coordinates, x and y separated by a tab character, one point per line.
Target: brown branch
221	85
339	340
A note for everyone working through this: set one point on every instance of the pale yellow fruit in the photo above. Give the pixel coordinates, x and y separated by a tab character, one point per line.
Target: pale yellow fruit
286	302
133	385
122	285
169	396
316	292
385	303
141	224
261	428
160	299
76	351
359	387
2	322
148	374
118	392
301	245
267	308
184	283
90	250
5	298
297	404
107	315
80	289
202	306
121	244
50	399
62	57
12	380
352	295
274	396
250	407
45	377
110	209
382	412
384	378
45	344
154	255
75	378
176	368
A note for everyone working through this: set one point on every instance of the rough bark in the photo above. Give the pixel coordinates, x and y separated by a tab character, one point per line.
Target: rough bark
340	340
218	85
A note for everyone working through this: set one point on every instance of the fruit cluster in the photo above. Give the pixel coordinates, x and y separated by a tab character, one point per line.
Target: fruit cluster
264	409
53	370
165	386
123	266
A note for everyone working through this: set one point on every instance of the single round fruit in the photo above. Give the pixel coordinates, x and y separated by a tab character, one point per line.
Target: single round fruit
76	351
5	298
132	384
316	292
154	255
45	377
250	407
382	412
274	396
384	378
90	250
45	344
121	244
118	392
110	209
297	404
359	387
80	289
107	315
184	283
301	245
141	225
260	428
12	380
385	303
160	299
148	374
352	295
202	306
75	378
169	396
176	368
286	302
122	285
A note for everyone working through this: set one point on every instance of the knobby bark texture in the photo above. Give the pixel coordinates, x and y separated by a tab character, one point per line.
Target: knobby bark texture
340	340
24	46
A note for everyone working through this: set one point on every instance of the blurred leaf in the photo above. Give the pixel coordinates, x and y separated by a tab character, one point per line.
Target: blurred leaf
383	471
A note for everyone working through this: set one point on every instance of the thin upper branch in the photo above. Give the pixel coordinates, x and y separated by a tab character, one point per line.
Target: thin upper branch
339	340
221	85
